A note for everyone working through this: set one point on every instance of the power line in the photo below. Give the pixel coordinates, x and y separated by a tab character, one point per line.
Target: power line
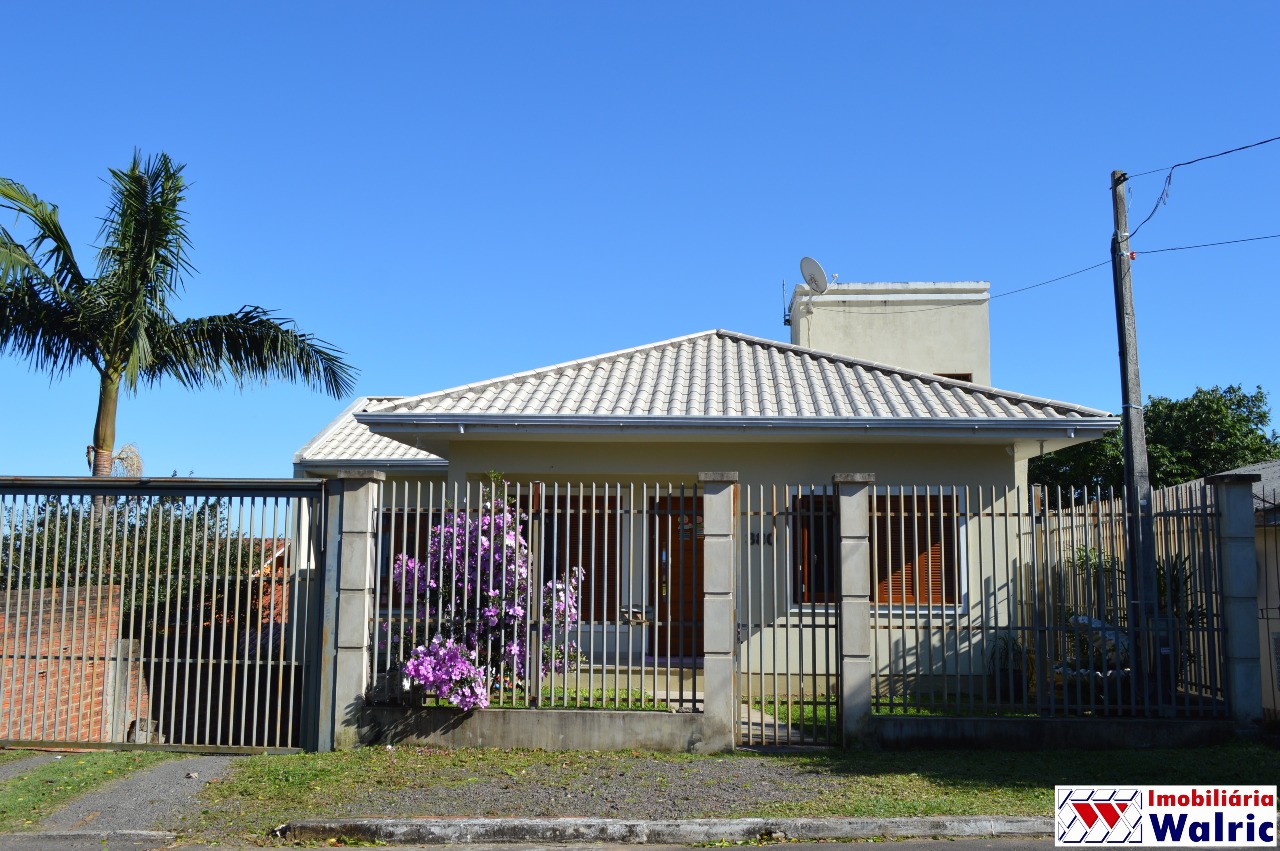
1209	157
964	303
1052	280
1042	283
1168	178
1209	244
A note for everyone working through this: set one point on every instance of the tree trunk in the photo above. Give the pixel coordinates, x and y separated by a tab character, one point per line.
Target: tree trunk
104	429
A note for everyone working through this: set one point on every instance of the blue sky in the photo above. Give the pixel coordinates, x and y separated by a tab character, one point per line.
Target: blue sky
451	192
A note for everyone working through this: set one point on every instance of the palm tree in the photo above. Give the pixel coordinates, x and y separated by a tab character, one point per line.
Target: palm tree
119	322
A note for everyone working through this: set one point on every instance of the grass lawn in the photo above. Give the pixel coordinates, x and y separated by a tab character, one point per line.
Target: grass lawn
264	792
34	794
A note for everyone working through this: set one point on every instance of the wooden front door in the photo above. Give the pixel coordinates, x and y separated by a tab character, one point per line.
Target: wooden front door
675	576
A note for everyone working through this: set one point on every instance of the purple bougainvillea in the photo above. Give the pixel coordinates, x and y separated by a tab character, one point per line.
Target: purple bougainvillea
472	594
449	670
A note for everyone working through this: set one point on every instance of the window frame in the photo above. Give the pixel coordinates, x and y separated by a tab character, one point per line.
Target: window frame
800	509
954	520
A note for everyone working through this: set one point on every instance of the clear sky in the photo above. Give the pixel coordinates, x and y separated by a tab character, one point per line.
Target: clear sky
451	192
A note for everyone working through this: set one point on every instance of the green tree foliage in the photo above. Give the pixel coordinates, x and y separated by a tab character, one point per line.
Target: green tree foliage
183	566
57	317
1211	431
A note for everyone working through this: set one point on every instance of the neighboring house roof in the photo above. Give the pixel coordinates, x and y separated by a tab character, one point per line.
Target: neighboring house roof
720	379
1266	492
346	443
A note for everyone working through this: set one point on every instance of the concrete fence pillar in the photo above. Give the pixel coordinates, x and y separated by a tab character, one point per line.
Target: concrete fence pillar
1238	566
853	510
720	619
347	606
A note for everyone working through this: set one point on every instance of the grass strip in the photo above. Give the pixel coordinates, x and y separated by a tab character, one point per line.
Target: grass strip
14	756
265	791
888	784
31	796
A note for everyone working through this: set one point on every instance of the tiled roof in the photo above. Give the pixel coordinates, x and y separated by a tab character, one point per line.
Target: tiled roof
1266	491
346	440
724	374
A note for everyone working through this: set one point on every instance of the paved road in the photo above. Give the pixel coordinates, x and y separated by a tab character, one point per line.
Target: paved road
88	841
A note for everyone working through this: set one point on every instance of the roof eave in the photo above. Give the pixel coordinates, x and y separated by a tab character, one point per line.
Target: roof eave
389	464
392	425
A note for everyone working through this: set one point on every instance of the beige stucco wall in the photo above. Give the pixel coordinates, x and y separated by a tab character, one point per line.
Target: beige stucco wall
755	463
940	328
988	593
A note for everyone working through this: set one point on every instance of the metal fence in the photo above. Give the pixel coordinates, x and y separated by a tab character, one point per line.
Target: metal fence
155	613
184	613
1267	539
1003	601
788	607
539	595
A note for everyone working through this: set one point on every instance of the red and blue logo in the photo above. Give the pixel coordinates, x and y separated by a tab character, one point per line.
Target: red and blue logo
1179	816
1087	816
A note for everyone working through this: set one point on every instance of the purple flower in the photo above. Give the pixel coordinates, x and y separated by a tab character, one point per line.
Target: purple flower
471	590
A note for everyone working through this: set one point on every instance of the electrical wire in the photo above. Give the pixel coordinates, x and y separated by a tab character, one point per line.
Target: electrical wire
1209	157
1168	178
963	303
1208	244
1042	283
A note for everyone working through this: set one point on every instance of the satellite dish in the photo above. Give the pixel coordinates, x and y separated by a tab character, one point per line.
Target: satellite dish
814	275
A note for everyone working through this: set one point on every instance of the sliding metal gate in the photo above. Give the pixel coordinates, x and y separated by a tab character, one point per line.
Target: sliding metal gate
168	613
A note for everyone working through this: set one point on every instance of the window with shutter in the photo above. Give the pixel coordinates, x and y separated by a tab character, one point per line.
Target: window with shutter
815	546
915	549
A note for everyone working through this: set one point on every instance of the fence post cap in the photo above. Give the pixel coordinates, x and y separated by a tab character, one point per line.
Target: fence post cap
1233	478
351	473
707	478
852	478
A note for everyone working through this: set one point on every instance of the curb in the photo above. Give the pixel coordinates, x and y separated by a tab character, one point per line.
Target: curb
161	837
438	831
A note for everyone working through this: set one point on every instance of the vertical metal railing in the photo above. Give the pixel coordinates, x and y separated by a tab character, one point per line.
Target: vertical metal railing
1190	633
1004	601
788	609
1267	534
922	608
165	613
552	595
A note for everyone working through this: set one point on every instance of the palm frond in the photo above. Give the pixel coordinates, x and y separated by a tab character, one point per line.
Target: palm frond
247	346
143	255
45	332
49	248
143	233
17	264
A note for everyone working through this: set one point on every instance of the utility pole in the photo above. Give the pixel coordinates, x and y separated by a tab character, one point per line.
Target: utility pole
1140	541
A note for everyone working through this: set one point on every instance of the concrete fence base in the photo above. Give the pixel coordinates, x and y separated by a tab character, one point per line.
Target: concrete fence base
548	729
1026	734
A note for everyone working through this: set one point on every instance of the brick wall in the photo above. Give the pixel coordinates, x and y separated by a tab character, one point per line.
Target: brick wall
65	673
